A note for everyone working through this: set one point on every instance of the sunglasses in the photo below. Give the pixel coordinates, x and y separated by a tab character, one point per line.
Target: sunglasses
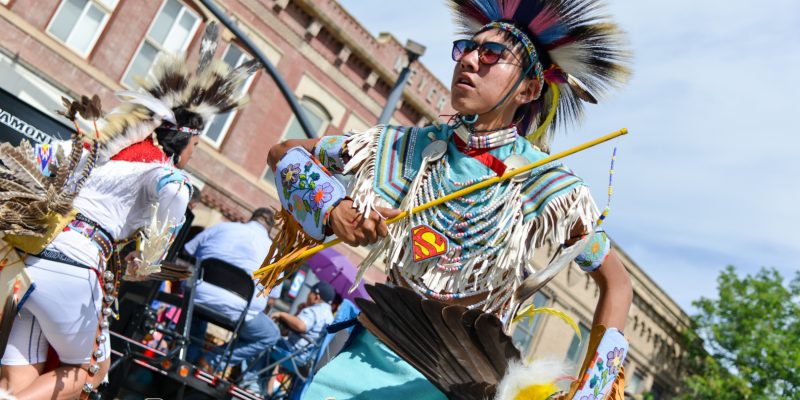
489	53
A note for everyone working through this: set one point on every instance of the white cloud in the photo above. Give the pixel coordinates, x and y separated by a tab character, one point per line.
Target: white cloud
709	174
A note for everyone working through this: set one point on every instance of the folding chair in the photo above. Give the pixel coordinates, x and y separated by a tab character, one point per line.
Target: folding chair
300	369
237	281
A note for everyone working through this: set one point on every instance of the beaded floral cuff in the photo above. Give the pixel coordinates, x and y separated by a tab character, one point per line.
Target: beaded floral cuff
595	252
330	152
307	190
604	367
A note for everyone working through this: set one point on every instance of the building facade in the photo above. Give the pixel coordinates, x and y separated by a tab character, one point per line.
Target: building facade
340	73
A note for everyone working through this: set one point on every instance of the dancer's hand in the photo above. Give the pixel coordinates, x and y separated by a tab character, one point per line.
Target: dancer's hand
352	228
132	265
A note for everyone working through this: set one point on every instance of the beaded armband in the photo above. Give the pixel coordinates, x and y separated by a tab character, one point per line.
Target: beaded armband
329	150
307	190
604	366
595	252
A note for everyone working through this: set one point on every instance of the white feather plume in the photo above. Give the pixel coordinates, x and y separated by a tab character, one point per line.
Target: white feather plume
520	376
158	107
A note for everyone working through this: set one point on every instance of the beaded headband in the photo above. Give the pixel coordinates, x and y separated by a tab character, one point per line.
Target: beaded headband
183	129
524	39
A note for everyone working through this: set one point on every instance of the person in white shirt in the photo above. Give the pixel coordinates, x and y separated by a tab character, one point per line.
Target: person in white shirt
305	329
244	245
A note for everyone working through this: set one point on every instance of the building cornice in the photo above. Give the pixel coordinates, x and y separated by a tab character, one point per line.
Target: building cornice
387	74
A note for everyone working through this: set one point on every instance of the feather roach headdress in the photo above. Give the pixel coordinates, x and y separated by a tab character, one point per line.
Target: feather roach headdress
581	53
172	92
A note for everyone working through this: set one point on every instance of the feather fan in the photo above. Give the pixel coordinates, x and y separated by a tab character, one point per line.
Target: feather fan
28	197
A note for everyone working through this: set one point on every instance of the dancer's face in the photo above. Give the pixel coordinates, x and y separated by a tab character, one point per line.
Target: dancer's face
187	152
478	86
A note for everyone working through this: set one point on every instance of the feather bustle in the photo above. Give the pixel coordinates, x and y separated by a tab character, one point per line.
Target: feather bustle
462	352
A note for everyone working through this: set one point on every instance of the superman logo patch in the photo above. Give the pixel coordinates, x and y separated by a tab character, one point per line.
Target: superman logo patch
427	243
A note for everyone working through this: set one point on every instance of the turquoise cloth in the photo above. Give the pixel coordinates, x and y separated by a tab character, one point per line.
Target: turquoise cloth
368	370
399	158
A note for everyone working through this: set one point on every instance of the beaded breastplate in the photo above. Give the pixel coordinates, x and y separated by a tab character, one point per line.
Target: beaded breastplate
475	245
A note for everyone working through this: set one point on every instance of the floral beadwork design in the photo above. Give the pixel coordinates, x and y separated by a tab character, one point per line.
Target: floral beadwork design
300	185
329	153
614	360
602	372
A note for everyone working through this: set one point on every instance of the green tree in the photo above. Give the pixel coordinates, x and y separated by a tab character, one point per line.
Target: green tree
745	344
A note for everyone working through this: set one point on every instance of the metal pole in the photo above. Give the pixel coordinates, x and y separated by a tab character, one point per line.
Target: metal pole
394	96
287	93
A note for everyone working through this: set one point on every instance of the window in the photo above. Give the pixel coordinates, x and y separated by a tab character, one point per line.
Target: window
634	385
431	93
400	63
218	126
78	23
441	103
577	348
525	329
318	117
171	32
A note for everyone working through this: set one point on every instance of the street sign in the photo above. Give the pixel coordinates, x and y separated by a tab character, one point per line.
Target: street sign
19	120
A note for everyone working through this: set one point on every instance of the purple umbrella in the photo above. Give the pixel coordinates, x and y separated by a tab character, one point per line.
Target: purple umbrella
331	266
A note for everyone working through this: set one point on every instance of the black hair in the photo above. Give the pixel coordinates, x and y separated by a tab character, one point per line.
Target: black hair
265	214
527	114
196	196
174	142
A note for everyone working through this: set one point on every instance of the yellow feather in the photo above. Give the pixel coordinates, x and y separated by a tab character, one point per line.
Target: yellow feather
530	311
537	392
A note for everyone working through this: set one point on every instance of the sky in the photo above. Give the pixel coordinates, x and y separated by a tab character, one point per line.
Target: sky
708	176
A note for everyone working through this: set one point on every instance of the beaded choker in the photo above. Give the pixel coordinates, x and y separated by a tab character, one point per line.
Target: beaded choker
489	141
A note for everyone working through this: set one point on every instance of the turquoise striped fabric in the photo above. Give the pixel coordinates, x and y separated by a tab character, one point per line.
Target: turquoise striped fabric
399	157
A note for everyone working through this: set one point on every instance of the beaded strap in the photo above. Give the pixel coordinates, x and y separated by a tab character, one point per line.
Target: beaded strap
92	232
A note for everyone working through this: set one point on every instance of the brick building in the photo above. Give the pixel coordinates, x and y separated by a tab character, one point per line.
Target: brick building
341	75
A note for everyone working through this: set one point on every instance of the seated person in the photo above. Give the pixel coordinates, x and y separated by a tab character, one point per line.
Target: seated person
304	329
244	245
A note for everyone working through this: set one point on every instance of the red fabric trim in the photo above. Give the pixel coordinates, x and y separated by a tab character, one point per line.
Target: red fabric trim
144	151
481	155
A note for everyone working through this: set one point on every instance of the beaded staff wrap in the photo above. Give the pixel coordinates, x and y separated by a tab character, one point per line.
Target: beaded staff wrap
307	190
330	153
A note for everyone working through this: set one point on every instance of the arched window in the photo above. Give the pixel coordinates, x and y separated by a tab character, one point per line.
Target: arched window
318	117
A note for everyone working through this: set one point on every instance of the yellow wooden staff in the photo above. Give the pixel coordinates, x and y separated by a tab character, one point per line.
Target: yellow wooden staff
296	257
